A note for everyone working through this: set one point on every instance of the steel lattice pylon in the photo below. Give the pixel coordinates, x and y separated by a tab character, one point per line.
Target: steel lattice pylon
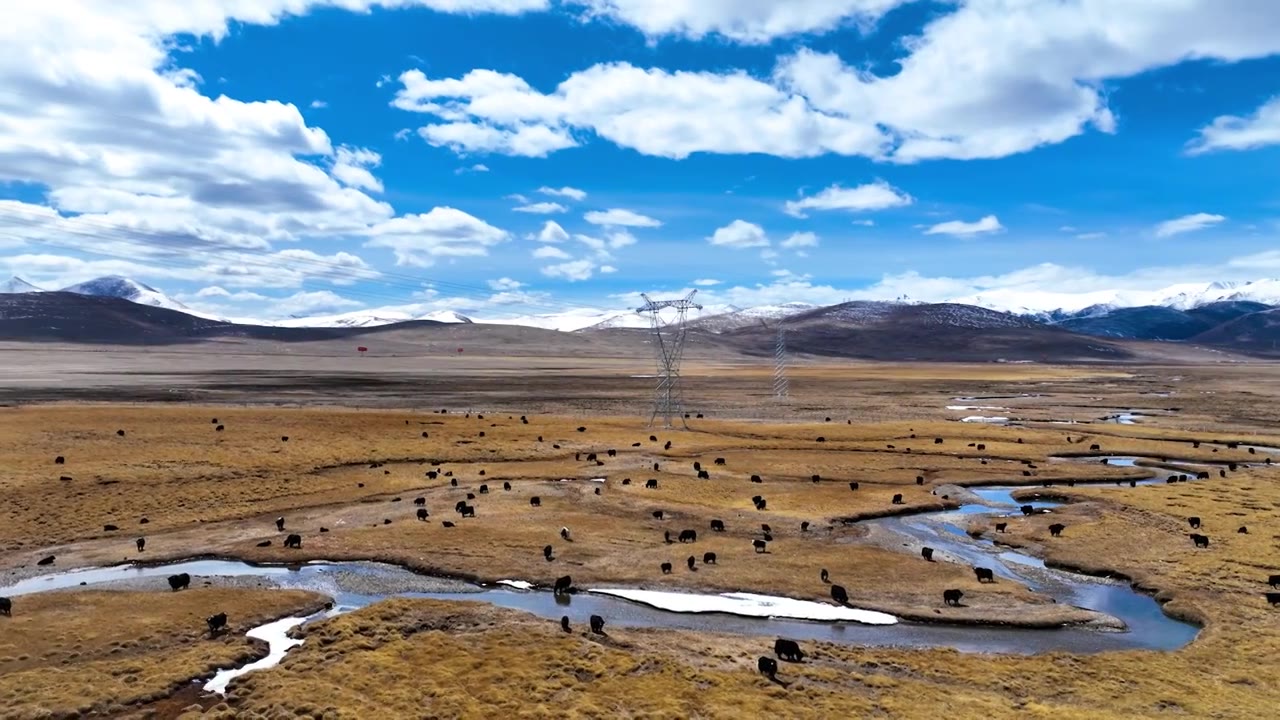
780	384
669	348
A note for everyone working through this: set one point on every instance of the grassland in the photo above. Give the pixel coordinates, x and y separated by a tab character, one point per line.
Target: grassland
208	492
64	654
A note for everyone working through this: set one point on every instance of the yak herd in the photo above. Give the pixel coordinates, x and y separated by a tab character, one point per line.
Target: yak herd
787	650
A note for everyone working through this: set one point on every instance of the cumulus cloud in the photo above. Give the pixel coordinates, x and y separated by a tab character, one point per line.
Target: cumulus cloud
1186	224
312	303
566	192
505	283
878	195
418	240
621	218
551	233
550	252
746	22
542	208
983	79
959	228
351	166
573	271
707	282
1229	132
800	240
738	235
477	168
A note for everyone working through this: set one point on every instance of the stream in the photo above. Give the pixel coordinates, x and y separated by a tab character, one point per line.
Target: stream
353	585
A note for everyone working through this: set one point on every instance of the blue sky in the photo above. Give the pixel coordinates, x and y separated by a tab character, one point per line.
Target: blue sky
256	164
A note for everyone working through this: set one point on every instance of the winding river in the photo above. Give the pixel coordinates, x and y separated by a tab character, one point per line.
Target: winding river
353	585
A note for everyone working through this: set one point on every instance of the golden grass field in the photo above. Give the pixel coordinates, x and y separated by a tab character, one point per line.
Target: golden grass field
208	492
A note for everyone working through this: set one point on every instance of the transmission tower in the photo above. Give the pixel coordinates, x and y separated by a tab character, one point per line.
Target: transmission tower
669	348
780	385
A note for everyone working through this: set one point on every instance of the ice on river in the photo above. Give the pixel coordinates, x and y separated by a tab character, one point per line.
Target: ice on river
750	605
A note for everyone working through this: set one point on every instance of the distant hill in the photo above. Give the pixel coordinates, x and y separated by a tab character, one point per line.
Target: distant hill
1140	323
939	332
71	317
1257	333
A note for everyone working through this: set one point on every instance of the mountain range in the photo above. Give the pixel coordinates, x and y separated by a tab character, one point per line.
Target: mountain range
1237	316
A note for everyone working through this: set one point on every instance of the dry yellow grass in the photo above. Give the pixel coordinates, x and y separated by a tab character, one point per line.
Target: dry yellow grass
67	654
208	492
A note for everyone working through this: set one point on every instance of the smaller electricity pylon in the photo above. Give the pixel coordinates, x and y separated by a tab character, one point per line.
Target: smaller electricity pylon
780	384
669	348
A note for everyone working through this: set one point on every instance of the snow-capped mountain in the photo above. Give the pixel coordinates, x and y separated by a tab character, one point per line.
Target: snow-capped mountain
368	318
1182	296
126	289
16	285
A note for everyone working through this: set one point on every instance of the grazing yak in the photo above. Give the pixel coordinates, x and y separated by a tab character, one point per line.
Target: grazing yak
535	501
564	533
1274	581
984	574
264	543
952	597
447	524
665	568
546	552
666	536
651	483
720	461
46	560
897	499
788	650
692	562
280	524
142	544
717	525
688	536
1027	510
597	625
564	623
6	607
422	513
180	581
506	486
1201	541
853	486
657	514
468	511
419	501
709	558
109	528
927	553
839	594
1002	526
293	541
804	526
217	623
767	667
1056	529
563	585
824	575
756	479
760	546
484	489
1194	522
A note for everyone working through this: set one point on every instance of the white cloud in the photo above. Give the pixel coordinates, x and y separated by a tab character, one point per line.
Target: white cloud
312	303
864	223
878	195
607	269
318	105
566	192
505	283
477	168
707	282
1187	223
983	79
351	166
959	228
1091	236
800	240
551	233
739	234
418	240
521	141
740	20
542	208
1229	132
620	239
620	218
550	252
573	271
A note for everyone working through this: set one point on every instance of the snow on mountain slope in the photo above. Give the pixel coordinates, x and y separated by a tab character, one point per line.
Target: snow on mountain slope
369	318
1182	296
16	285
126	289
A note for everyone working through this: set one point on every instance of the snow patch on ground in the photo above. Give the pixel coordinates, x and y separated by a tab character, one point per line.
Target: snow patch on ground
975	407
984	419
517	584
276	635
750	605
